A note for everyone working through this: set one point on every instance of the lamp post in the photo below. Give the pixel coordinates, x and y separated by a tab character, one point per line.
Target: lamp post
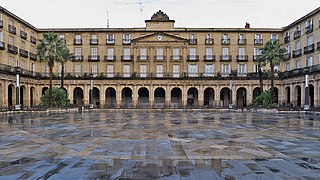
306	99
91	90
230	92
18	71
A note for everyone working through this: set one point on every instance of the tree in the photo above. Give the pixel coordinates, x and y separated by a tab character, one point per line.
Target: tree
260	64
63	57
273	54
48	50
60	98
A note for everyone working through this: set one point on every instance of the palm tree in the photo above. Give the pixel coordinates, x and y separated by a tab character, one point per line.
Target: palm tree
48	50
261	64
273	54
63	57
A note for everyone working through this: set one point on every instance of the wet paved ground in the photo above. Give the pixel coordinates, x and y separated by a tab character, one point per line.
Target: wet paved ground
160	145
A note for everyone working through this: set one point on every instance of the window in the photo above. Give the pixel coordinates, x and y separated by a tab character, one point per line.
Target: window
77	53
31	48
309	61
110	54
308	23
110	37
94	39
209	70
1	36
226	70
22	65
126	54
310	40
22	28
176	54
126	70
208	36
143	54
225	39
287	34
126	39
159	70
192	70
94	70
225	53
78	36
255	68
241	52
46	70
242	70
59	69
241	36
193	54
209	54
11	22
298	45
11	61
94	53
61	36
258	39
78	39
274	37
159	54
22	45
256	51
110	72
143	70
298	64
33	68
193	36
176	70
11	40
288	66
288	49
77	70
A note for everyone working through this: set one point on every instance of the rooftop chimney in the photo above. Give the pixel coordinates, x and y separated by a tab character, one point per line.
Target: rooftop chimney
247	26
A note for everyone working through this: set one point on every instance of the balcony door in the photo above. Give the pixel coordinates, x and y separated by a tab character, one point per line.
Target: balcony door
159	70
126	70
143	70
176	70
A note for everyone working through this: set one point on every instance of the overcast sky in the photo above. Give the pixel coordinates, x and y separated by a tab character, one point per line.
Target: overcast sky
186	13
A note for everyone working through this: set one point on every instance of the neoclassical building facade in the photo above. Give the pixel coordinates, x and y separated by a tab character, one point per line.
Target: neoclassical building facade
160	65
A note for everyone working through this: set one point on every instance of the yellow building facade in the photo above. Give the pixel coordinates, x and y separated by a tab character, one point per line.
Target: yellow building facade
160	65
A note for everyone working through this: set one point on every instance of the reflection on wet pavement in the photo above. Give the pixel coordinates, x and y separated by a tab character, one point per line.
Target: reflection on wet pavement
159	145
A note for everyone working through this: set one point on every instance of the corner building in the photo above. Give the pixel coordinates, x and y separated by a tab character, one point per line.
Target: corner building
160	65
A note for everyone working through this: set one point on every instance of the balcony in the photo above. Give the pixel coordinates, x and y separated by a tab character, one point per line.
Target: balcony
12	49
93	58
296	53
193	41
209	58
12	29
77	58
23	35
287	56
193	58
2	45
176	58
242	41
143	58
159	58
126	41
225	58
77	41
110	58
209	41
94	41
109	41
127	58
1	24
33	40
286	39
32	56
318	45
309	29
242	58
225	41
258	41
296	35
23	53
308	49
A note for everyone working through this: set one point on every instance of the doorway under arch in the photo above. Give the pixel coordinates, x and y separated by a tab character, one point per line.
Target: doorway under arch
78	96
176	97
127	97
208	97
159	97
242	97
143	100
225	97
192	97
111	99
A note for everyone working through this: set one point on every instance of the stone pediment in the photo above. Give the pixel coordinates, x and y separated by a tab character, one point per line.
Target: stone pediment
159	38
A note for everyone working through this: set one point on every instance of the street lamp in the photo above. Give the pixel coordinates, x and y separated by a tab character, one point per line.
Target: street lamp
230	91
306	100
18	71
91	90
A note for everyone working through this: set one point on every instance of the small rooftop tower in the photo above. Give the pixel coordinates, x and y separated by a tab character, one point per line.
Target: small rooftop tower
159	21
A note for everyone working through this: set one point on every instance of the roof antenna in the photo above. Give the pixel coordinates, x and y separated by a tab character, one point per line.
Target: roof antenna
107	19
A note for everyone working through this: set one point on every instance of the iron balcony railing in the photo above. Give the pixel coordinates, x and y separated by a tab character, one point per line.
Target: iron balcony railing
109	58
209	58
12	49
126	41
143	58
94	58
94	41
159	58
109	41
12	29
77	58
77	41
193	41
308	49
286	39
23	53
209	41
33	40
296	53
176	58
258	41
225	41
242	41
309	29
127	58
296	35
23	35
32	56
2	45
242	58
225	58
193	58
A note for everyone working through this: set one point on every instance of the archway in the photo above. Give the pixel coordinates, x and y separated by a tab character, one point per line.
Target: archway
255	94
111	100
1	96
78	96
298	95
241	97
311	95
96	97
23	94
176	97
192	97
275	95
288	95
225	97
159	98
143	99
44	89
208	97
127	97
11	92
32	93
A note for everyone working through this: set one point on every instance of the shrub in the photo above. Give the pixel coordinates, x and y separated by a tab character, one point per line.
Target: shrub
264	100
59	98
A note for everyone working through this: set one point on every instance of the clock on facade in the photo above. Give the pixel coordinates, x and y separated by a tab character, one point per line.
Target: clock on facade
159	37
